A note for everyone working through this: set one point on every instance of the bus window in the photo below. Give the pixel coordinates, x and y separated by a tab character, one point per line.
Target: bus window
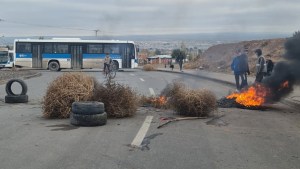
48	48
131	51
112	48
60	48
115	49
23	47
95	48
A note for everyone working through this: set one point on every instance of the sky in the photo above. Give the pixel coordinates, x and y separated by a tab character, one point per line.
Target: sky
146	17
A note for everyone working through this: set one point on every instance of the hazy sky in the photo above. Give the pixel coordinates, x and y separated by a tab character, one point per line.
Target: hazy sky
127	17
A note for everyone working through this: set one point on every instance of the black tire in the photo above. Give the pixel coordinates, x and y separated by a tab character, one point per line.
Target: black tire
16	99
54	66
88	120
117	64
88	108
10	92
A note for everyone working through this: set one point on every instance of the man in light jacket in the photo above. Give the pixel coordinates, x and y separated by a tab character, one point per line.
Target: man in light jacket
261	67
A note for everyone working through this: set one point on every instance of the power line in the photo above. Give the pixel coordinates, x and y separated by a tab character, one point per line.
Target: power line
49	26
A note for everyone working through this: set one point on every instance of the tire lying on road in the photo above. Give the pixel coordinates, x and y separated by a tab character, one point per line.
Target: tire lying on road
9	90
16	98
88	120
88	108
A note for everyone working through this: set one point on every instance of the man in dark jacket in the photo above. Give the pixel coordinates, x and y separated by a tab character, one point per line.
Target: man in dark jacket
240	67
179	59
244	68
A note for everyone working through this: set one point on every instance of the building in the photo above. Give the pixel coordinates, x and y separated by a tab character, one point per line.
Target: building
160	59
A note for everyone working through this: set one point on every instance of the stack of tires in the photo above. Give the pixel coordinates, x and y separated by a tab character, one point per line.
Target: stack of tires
11	97
88	113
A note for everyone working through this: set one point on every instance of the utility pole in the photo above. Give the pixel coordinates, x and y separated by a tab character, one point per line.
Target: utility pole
96	32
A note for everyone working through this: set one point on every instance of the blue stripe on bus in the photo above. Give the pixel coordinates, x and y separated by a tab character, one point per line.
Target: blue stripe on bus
23	55
68	56
100	56
56	56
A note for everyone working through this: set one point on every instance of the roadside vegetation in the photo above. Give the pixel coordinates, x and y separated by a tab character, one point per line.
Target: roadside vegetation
148	67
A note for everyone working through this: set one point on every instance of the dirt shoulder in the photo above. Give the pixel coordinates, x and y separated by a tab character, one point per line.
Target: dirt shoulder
6	74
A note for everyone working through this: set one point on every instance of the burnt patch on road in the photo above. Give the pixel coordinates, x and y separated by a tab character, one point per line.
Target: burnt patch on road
63	127
146	141
217	121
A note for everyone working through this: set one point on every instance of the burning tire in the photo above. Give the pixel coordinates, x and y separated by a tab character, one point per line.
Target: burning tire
88	120
16	99
87	108
9	90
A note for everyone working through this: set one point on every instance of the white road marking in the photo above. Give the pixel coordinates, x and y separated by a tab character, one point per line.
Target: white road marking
137	141
152	92
142	79
132	74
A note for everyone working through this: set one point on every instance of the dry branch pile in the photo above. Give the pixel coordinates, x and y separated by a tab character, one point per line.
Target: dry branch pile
119	100
190	102
63	91
148	67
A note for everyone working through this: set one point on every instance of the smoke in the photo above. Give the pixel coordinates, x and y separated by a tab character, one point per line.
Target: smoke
286	73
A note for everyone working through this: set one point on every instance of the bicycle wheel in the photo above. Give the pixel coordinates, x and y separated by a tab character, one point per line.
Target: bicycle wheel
113	71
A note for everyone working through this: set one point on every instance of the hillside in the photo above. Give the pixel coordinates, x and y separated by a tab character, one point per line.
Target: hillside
218	58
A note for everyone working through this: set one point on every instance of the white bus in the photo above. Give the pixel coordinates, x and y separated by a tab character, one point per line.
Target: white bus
6	58
73	53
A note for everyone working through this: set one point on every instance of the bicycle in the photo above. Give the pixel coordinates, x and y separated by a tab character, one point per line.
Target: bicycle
110	71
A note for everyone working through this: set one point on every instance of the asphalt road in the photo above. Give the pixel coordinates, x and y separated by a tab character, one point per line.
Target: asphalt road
239	139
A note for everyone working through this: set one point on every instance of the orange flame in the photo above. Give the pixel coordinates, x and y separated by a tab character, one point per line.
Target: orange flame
253	96
159	101
284	85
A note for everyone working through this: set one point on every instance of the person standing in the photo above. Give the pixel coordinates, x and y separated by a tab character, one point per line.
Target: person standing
244	68
180	60
107	62
261	67
235	67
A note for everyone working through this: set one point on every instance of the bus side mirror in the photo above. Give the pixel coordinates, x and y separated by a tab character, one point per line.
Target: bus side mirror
138	49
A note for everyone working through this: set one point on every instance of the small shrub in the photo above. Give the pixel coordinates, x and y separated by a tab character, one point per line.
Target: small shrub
190	65
119	100
190	102
148	67
65	90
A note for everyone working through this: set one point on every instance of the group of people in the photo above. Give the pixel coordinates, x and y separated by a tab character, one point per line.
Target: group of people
240	67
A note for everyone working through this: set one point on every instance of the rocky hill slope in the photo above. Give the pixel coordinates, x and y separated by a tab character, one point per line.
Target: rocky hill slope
218	58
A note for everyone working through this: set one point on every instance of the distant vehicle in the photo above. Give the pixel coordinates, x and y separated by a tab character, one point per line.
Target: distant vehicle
6	58
58	53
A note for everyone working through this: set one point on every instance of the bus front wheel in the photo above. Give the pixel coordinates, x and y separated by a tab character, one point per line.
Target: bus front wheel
54	66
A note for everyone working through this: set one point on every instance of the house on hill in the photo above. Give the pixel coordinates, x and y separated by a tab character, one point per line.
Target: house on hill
160	59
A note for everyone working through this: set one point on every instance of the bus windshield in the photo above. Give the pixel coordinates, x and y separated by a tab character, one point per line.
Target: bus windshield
4	57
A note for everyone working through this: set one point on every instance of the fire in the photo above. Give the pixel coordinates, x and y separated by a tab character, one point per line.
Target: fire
159	101
254	96
284	85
